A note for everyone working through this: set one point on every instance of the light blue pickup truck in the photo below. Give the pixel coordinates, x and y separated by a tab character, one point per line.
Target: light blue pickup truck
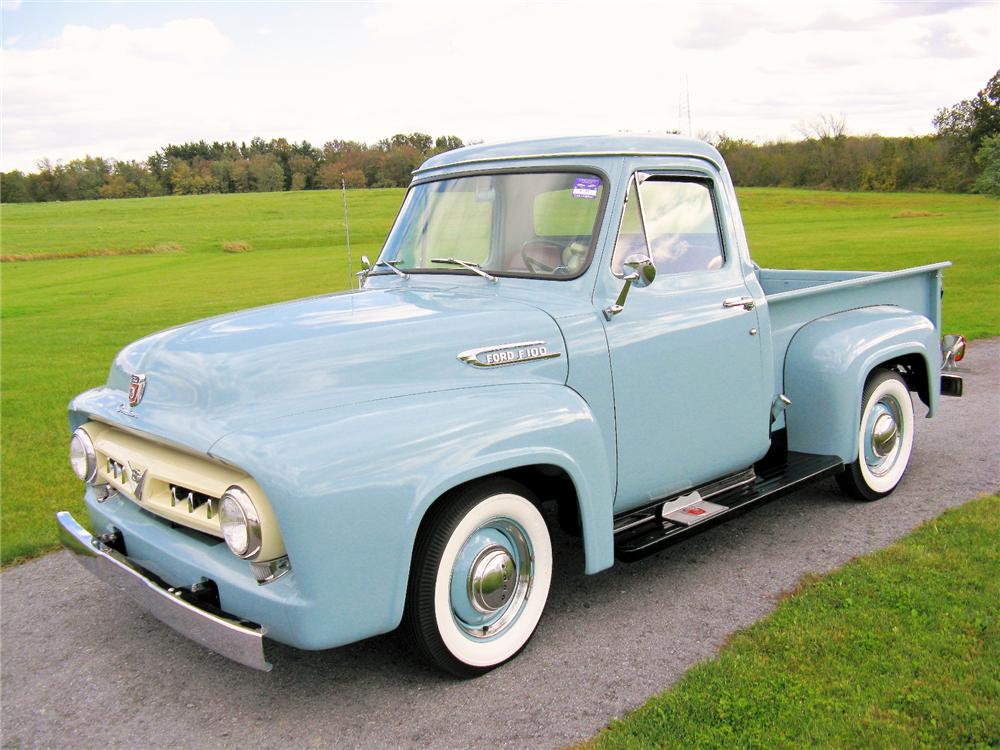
560	331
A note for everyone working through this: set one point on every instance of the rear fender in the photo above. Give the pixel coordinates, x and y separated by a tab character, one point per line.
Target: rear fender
828	362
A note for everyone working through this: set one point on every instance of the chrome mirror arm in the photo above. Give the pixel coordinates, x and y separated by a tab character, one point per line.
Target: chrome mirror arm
619	305
642	275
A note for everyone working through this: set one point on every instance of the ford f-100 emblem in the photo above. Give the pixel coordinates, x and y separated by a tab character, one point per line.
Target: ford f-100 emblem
136	387
507	354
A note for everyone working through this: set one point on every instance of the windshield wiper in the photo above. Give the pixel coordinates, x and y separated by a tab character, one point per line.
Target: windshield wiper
474	267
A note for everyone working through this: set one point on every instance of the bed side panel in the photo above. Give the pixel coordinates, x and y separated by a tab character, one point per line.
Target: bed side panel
916	290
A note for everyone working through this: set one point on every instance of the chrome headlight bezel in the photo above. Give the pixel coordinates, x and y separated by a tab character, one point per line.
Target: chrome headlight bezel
236	508
81	446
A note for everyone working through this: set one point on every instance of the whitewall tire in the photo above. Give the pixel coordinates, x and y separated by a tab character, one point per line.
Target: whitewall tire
480	578
885	438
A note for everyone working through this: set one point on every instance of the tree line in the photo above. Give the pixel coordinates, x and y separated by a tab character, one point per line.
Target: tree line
227	167
963	155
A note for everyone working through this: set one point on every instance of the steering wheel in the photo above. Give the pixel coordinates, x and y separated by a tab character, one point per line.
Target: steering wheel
533	264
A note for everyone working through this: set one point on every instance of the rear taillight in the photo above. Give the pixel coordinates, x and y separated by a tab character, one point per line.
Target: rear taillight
952	350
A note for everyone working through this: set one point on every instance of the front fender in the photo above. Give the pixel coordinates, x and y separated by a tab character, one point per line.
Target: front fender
828	362
350	486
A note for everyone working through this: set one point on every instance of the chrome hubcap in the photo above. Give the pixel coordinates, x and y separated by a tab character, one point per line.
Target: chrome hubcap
491	580
885	433
883	436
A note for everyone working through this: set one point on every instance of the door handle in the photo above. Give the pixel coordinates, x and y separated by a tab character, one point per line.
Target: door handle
746	303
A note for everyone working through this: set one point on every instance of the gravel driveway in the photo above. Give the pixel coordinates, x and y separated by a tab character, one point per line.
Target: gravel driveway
82	667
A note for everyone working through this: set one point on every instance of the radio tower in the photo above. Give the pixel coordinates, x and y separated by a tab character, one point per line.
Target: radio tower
684	106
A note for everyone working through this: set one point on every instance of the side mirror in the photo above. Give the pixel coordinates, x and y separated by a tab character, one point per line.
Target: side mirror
365	263
643	272
642	268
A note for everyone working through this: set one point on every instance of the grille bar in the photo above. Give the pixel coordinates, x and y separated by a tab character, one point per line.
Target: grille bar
193	500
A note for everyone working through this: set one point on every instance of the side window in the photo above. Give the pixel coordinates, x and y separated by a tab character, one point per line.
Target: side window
679	216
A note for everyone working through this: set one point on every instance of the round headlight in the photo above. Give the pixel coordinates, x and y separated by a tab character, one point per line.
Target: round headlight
82	456
240	523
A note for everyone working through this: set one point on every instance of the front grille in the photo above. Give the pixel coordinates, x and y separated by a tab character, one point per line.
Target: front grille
115	469
193	500
182	487
176	485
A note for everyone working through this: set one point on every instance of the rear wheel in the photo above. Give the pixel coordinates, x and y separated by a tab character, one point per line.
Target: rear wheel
480	578
885	438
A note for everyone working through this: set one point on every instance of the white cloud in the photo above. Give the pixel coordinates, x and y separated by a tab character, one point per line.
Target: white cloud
93	90
10	4
494	71
193	39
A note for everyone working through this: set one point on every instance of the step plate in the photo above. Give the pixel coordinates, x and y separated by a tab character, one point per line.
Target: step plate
695	513
640	535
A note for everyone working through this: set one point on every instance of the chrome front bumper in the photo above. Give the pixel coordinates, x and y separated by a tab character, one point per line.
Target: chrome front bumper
223	634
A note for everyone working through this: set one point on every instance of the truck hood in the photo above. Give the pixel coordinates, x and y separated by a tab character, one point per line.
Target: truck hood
212	377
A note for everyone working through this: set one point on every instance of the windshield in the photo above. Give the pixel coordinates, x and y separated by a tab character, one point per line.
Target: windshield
539	224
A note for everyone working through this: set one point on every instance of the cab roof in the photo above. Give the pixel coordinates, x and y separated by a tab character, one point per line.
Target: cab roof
591	145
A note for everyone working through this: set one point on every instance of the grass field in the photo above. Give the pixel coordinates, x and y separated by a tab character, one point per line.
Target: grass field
899	649
64	319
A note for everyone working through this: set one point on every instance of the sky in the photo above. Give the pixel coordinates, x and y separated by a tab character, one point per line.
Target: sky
122	79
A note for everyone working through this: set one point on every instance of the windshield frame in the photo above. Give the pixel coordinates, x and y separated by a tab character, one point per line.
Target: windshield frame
588	170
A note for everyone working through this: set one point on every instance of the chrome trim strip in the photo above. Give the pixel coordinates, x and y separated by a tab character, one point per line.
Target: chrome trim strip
223	634
522	349
565	155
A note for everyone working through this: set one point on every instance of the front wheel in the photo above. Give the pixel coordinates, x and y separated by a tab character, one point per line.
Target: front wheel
885	438
480	578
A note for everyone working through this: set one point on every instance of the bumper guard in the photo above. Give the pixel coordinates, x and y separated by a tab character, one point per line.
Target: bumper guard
225	635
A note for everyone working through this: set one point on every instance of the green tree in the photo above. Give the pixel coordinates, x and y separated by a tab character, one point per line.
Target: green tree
397	166
965	126
988	159
14	187
181	177
303	170
266	174
447	143
419	141
973	120
239	175
118	187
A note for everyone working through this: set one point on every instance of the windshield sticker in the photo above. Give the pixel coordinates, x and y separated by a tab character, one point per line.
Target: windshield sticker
586	187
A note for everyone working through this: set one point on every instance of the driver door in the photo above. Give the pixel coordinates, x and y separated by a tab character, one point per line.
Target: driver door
686	361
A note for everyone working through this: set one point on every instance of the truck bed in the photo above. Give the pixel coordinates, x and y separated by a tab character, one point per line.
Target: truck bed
795	298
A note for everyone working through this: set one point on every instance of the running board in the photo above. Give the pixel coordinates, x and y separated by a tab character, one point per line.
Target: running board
641	533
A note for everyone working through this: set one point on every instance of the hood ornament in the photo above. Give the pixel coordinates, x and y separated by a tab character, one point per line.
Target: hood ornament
507	354
136	388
